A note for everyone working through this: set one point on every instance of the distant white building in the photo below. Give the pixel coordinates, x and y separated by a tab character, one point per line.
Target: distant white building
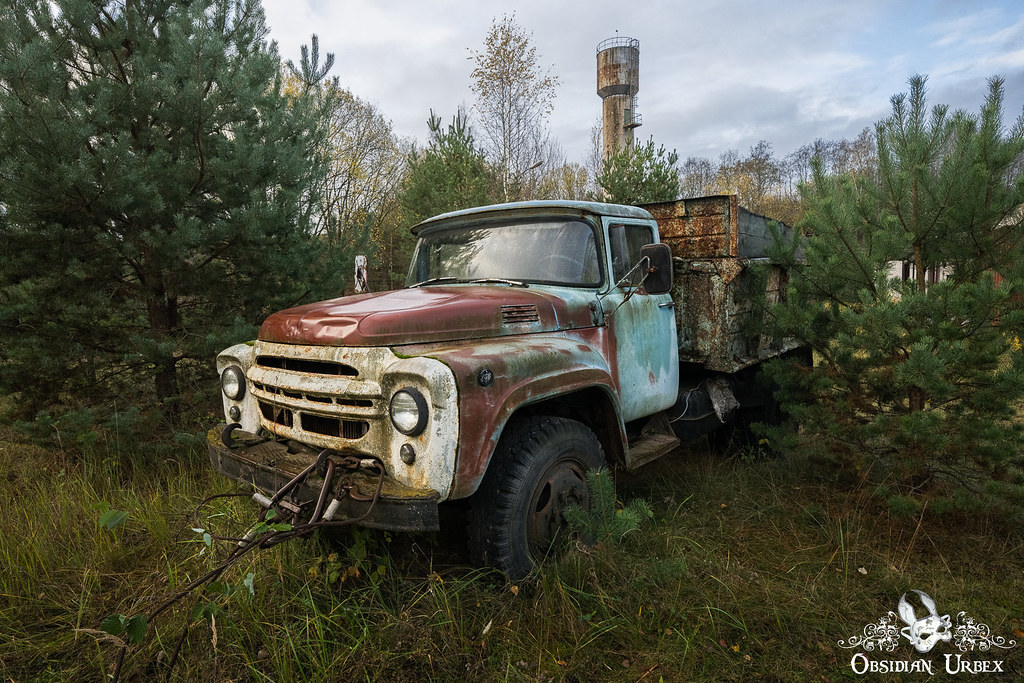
906	271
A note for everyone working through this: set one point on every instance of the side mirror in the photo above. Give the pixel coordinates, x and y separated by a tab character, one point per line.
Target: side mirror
659	278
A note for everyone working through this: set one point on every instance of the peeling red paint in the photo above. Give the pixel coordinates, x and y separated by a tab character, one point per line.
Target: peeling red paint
526	370
419	315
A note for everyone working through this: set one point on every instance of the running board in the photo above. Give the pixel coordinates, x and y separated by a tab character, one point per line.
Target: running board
650	448
656	440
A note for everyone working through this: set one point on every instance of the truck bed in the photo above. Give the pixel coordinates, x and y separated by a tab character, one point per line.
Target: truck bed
724	281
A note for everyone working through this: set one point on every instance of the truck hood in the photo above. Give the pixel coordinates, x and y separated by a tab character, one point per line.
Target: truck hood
427	314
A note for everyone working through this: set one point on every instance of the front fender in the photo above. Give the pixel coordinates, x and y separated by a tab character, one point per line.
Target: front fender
496	377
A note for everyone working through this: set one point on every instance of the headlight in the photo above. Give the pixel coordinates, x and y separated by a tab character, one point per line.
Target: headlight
409	411
232	382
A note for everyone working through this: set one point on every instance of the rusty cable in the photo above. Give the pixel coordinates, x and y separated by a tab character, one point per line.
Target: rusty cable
301	476
325	490
369	509
268	539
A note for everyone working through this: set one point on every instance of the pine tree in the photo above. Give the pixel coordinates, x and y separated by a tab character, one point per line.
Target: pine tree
450	174
639	175
155	181
918	382
605	521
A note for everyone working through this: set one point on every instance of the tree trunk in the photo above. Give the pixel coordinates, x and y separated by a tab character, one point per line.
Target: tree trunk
163	324
917	399
922	283
916	395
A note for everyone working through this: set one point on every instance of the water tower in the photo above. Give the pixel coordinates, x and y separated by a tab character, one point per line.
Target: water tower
618	80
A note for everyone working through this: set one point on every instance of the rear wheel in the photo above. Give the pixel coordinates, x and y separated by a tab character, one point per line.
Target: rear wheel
741	436
759	410
538	471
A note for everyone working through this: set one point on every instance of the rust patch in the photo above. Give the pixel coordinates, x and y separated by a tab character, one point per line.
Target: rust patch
734	228
697	246
714	304
525	370
713	289
694	226
728	269
698	228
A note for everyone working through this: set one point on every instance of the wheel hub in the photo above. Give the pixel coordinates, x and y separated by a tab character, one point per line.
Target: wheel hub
562	486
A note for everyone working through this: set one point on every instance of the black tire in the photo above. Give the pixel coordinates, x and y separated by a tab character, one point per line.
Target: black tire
761	406
771	412
538	470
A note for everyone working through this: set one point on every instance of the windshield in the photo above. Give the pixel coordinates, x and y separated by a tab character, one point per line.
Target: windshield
552	252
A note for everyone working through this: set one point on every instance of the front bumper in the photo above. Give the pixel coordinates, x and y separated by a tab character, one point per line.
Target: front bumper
268	465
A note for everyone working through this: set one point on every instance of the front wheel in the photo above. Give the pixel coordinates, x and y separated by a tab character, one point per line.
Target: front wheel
538	471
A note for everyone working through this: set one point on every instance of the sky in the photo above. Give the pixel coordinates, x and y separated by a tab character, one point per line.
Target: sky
714	76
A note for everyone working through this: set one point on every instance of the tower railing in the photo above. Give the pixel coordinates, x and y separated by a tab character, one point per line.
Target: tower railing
618	41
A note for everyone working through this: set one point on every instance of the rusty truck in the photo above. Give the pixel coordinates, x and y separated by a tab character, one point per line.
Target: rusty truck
532	342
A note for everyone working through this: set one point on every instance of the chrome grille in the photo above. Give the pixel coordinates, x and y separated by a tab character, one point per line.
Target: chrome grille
319	399
312	366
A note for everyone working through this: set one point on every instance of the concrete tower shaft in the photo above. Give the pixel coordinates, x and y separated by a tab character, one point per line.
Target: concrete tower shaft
618	80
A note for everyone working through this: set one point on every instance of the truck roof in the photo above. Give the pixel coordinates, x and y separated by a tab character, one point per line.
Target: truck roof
535	208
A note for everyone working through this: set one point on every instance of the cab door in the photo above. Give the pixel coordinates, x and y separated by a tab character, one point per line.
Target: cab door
643	326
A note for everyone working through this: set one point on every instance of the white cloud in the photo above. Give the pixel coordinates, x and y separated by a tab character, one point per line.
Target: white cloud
713	75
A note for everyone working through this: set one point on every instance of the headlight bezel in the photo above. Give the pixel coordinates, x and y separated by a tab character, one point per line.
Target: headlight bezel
236	375
419	403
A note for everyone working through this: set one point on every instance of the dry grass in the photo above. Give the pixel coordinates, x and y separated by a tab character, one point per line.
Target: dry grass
749	572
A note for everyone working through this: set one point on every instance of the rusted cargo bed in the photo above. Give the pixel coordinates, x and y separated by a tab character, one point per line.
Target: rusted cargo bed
724	280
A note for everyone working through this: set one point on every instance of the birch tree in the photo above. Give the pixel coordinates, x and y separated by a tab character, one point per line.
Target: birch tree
514	97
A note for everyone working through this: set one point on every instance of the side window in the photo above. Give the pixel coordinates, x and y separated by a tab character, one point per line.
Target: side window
626	241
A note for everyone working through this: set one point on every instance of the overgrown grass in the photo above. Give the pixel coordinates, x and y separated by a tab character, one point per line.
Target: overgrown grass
749	571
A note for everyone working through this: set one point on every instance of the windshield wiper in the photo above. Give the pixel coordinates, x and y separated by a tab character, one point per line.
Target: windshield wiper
499	280
445	278
451	278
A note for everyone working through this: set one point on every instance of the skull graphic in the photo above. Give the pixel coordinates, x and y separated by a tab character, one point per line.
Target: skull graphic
924	633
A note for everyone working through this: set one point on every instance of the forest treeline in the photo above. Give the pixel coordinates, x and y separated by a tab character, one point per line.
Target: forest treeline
167	181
